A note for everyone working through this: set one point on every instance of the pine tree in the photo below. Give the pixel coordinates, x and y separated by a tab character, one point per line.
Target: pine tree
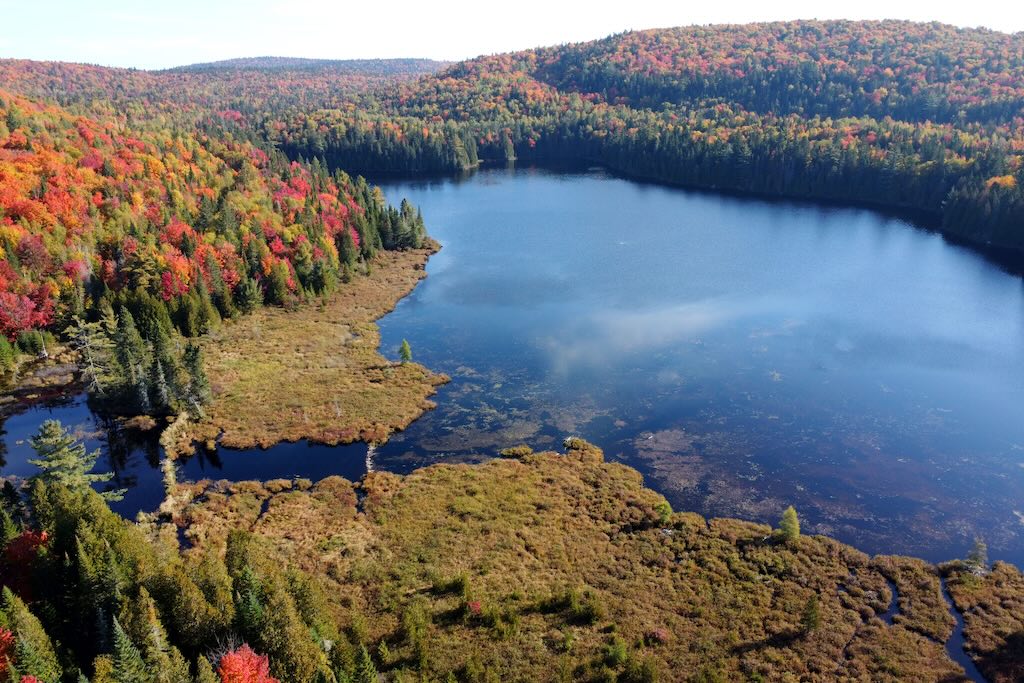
977	559
161	389
96	351
205	672
405	352
132	355
199	384
789	525
249	295
64	461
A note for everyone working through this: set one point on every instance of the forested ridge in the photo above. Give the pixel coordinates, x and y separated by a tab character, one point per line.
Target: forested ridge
924	117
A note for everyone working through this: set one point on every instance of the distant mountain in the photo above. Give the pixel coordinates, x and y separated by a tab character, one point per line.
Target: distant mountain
366	67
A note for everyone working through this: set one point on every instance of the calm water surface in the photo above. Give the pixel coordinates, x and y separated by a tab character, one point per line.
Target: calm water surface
743	354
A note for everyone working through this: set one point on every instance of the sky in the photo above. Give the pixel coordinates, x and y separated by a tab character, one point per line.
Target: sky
163	33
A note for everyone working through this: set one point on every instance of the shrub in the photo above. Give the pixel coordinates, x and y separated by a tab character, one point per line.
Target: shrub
516	452
615	652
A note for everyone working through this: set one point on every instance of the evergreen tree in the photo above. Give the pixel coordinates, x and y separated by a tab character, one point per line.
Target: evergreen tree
248	295
366	672
977	559
64	461
160	387
129	666
96	351
133	356
810	618
205	672
405	352
789	525
199	385
33	653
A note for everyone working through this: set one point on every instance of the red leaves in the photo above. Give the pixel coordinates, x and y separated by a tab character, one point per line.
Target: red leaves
32	252
171	285
18	557
244	666
17	313
7	643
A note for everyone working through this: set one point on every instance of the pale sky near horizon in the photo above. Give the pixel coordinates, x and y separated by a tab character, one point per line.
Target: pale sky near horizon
134	33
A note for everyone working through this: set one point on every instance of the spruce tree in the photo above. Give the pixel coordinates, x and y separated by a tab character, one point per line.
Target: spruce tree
133	356
248	295
64	461
129	666
33	653
366	672
199	384
977	559
405	352
205	672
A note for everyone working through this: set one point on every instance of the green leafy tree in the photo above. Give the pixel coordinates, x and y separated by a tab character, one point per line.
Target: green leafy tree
64	461
405	352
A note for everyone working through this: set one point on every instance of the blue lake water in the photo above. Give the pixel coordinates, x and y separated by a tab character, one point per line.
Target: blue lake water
743	354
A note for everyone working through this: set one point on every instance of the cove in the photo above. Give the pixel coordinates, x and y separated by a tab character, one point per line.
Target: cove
743	354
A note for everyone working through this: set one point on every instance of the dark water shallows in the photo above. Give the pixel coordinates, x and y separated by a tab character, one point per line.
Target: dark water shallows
743	354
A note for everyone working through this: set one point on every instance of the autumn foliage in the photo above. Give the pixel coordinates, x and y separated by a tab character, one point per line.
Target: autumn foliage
17	560
243	665
7	642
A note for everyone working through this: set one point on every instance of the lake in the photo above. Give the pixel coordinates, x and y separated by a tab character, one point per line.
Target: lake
743	354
